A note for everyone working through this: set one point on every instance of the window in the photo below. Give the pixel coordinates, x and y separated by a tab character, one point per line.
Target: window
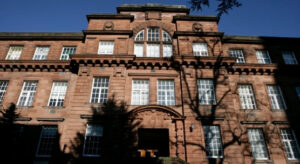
153	43
213	142
139	50
58	92
27	94
289	57
238	54
140	92
66	51
153	50
258	145
263	57
3	86
290	144
165	92
93	140
41	53
106	47
14	52
206	92
298	92
100	90
200	49
247	97
276	97
47	142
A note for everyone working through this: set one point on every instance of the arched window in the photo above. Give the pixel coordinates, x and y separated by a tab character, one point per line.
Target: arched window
156	43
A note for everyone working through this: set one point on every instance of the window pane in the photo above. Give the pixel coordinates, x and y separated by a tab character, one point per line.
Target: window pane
200	49
66	51
139	50
166	37
140	92
165	92
153	34
47	141
238	54
289	57
100	90
247	97
276	97
27	93
140	36
290	144
106	47
41	53
93	140
167	49
213	142
58	92
206	92
153	50
258	146
263	57
3	86
14	52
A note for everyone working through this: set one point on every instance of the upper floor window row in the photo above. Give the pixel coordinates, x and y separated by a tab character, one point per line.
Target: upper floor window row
41	52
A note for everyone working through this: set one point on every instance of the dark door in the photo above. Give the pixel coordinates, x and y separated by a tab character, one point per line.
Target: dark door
155	139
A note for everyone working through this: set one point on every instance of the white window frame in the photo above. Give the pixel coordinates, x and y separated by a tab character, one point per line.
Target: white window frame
247	97
167	90
141	93
167	50
166	36
103	90
66	51
238	53
289	58
51	136
28	94
41	53
213	141
139	49
153	50
58	93
106	47
257	141
290	143
206	92
3	87
276	98
153	34
140	36
263	57
200	49
90	132
14	52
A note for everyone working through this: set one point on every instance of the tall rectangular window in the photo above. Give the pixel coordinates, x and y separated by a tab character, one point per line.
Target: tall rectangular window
238	54
3	86
139	50
206	92
167	49
276	97
58	92
263	57
153	34
14	52
200	49
47	142
140	92
298	92
100	90
27	93
153	50
247	97
66	51
93	140
106	47
165	92
41	53
258	145
290	144
289	57
213	142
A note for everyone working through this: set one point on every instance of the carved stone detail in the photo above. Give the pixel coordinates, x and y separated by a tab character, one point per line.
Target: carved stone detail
197	27
108	25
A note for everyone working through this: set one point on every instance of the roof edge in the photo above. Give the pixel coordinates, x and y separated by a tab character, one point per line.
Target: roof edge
41	35
196	18
153	7
257	39
109	16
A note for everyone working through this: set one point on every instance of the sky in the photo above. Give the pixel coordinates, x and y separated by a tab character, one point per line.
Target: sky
254	17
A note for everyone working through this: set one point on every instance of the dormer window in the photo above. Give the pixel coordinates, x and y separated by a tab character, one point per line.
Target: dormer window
153	42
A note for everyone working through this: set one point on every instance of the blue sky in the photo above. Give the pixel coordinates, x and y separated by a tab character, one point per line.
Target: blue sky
254	17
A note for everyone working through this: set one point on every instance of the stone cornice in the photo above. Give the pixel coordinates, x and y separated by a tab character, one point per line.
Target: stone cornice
190	33
253	68
259	39
108	32
110	16
195	18
41	36
154	7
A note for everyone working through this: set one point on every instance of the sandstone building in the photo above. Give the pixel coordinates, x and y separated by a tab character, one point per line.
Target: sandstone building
150	81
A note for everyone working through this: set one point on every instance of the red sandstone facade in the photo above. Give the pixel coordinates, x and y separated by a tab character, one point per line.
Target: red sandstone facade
185	119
